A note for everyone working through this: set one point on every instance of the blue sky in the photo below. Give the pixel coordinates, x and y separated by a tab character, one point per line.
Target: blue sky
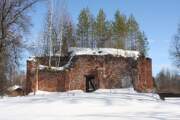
157	18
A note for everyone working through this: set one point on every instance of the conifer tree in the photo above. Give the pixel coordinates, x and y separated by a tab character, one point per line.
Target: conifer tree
70	34
119	30
64	48
109	32
83	27
101	28
142	44
92	33
68	39
133	29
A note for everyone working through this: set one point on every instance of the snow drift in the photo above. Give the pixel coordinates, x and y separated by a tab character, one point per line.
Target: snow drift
115	104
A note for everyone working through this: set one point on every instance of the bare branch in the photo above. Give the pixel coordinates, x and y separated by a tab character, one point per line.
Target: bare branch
21	11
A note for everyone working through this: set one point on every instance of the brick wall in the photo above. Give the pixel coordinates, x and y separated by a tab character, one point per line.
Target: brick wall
108	71
30	76
144	82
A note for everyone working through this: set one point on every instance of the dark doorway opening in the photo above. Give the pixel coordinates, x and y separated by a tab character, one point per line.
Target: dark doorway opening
90	83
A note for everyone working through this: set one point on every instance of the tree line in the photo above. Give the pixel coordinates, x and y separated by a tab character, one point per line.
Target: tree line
91	32
169	80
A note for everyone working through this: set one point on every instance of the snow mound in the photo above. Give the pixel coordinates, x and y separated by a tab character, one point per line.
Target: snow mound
104	51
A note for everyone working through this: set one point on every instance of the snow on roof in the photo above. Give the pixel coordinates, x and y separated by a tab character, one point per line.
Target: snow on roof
89	51
42	67
104	51
15	87
33	58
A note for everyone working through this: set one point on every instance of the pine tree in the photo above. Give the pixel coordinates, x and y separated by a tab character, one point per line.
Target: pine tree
64	48
133	29
101	28
142	44
70	35
119	30
109	43
68	39
83	27
92	33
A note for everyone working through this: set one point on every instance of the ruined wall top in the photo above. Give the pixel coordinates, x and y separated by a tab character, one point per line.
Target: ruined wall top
75	51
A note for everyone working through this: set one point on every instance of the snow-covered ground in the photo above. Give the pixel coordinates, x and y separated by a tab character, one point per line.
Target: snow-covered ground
118	104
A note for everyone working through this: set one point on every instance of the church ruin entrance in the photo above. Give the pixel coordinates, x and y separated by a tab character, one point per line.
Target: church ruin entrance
90	83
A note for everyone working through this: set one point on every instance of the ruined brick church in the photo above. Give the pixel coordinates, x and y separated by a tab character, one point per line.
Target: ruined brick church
90	69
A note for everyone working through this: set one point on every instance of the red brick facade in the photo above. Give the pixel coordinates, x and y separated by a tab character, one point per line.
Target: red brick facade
108	71
144	82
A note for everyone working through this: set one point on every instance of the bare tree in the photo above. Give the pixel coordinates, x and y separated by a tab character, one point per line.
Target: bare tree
168	81
63	24
57	33
175	48
14	22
